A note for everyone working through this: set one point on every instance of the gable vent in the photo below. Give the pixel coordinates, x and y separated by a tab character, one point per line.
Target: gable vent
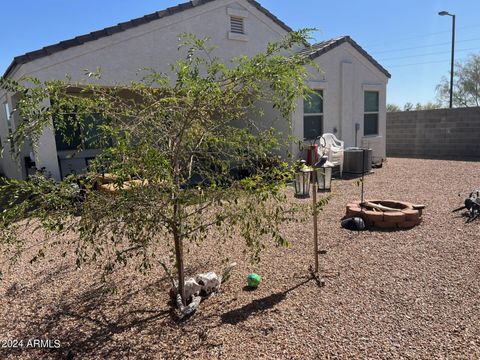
237	25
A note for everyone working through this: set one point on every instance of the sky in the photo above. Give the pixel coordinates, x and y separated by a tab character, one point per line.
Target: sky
407	37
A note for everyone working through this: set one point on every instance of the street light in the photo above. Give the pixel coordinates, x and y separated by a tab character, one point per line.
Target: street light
446	13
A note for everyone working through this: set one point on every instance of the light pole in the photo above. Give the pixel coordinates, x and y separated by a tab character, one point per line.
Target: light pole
446	13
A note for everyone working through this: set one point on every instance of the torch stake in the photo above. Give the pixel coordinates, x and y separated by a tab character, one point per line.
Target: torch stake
363	173
315	230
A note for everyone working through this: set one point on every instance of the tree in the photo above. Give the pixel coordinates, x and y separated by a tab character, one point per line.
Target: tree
418	106
393	108
179	164
428	106
466	84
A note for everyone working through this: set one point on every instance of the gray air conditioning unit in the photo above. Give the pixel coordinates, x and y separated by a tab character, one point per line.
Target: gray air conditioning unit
357	161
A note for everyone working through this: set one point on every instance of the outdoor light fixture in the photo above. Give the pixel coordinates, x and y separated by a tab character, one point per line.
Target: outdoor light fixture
324	176
446	13
320	175
302	184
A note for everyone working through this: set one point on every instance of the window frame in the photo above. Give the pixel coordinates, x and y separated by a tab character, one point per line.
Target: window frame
8	117
78	141
377	112
321	114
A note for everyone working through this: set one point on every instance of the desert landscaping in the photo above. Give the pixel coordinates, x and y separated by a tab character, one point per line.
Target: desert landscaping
388	294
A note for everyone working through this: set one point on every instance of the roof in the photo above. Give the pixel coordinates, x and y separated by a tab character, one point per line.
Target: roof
321	48
95	35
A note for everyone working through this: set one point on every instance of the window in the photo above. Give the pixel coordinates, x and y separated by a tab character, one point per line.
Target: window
70	137
313	115
237	25
370	116
8	117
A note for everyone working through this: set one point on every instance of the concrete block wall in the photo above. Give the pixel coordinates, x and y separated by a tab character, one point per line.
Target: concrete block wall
434	134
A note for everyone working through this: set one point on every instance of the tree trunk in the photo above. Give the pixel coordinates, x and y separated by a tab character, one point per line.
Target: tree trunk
178	234
179	263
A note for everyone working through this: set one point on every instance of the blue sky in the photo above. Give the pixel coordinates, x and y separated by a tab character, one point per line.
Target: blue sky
407	37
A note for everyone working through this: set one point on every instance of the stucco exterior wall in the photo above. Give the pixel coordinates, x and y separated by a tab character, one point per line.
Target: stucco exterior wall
153	45
346	74
10	166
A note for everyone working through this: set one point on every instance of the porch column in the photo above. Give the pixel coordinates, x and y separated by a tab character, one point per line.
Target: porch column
46	151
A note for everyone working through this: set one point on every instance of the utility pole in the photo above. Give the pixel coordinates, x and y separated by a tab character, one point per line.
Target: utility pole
446	13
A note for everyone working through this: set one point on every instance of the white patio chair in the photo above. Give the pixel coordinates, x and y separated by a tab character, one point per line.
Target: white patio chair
333	149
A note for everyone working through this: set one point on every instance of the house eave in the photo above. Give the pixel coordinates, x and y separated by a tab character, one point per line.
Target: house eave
79	40
347	39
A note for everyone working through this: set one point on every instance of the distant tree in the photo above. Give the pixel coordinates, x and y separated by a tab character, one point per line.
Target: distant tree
393	108
466	84
418	106
428	106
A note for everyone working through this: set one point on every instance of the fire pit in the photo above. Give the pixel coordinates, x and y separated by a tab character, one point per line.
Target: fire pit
386	214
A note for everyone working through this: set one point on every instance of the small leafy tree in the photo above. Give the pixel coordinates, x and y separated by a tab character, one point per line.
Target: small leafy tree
408	106
428	106
418	106
393	108
466	84
177	143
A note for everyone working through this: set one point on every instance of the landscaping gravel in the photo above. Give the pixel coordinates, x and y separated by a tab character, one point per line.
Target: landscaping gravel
411	294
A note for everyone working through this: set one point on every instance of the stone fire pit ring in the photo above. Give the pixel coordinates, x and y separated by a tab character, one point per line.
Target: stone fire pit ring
406	217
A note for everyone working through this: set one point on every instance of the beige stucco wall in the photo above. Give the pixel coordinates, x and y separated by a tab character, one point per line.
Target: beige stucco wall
10	166
346	72
346	75
153	45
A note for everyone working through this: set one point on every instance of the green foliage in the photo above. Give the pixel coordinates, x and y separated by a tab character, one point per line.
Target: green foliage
393	108
418	106
408	106
322	202
466	84
40	197
428	106
196	170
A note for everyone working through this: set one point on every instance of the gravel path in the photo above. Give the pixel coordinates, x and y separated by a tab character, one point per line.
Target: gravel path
407	294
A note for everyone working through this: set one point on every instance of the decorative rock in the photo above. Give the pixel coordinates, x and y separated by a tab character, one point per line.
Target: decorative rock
209	283
201	285
192	288
354	223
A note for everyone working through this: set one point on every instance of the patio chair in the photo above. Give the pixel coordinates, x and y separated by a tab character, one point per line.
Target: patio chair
333	149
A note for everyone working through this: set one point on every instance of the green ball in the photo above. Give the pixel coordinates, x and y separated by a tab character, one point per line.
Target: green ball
253	280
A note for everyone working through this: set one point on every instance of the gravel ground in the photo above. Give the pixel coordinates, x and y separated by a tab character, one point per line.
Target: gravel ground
406	294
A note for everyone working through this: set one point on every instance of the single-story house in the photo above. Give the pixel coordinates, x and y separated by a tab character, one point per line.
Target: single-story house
352	88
